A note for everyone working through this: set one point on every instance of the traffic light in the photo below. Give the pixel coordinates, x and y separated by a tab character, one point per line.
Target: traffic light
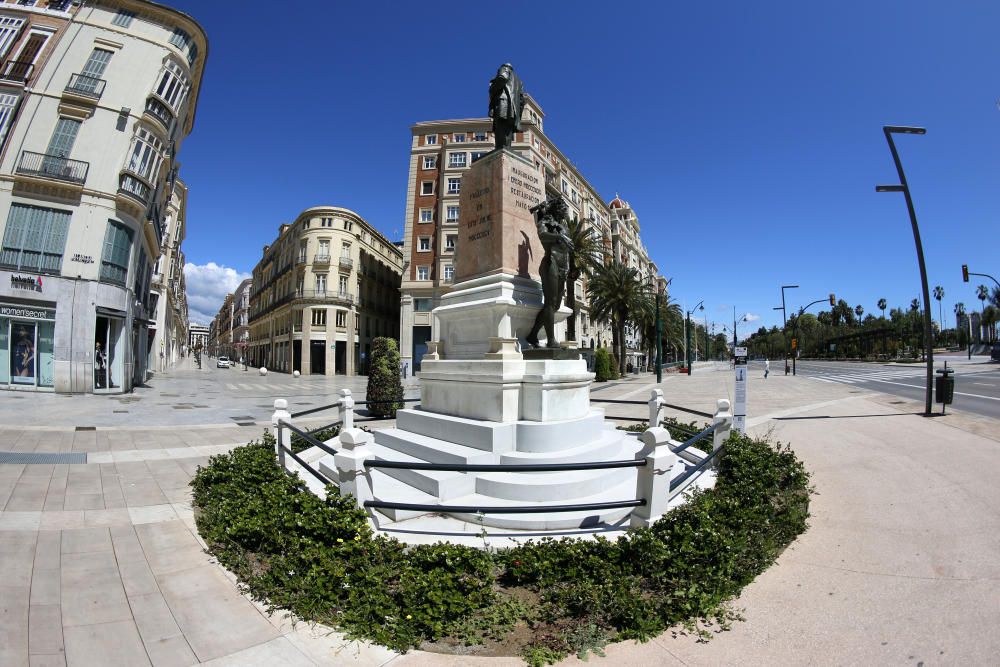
965	273
833	300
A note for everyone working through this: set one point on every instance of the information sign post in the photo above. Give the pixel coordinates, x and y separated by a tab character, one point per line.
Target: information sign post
740	404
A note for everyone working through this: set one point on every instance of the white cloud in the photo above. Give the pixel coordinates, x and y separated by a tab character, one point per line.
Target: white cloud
750	316
207	287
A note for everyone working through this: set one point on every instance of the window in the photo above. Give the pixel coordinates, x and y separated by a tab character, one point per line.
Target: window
424	244
342	286
144	158
430	161
423	273
183	41
348	225
63	137
123	18
454	186
565	188
427	187
452	215
449	242
477	154
10	28
341	319
456	160
423	305
449	272
430	139
479	136
460	137
321	283
324	248
319	317
345	250
92	72
426	215
117	248
173	85
35	239
7	104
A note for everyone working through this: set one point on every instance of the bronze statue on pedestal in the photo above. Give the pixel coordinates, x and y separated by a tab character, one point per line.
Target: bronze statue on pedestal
506	105
553	232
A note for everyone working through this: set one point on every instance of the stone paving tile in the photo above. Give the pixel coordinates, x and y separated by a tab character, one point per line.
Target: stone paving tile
63	520
217	621
153	617
56	497
115	643
326	647
152	513
170	652
111	517
141	492
84	441
48	660
20	520
92	590
16	555
278	652
84	501
169	547
45	629
86	540
29	493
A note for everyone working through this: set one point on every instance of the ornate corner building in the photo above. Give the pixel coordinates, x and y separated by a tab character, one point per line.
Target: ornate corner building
96	99
440	152
326	286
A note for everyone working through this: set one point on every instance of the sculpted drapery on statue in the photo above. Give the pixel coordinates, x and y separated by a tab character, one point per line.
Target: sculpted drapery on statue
506	105
553	232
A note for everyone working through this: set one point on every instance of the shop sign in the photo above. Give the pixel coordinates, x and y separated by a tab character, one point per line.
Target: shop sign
32	283
83	259
9	310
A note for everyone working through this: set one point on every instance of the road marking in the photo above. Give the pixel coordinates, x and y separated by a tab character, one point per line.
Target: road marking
957	393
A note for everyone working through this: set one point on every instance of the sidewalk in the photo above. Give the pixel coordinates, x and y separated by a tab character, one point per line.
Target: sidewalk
102	564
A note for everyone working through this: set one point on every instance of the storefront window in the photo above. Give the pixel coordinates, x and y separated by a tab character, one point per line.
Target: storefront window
108	354
46	334
22	353
4	351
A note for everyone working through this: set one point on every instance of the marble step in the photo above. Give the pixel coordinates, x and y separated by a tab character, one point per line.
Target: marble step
440	484
390	489
624	490
610	446
568	486
432	450
551	436
487	436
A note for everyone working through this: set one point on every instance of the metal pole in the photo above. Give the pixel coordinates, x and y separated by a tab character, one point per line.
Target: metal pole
928	346
659	341
687	342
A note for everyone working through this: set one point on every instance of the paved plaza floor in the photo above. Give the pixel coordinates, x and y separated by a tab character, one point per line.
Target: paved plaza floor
102	564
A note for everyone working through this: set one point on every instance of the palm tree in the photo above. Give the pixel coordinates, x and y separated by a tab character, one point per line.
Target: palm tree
990	317
859	311
959	316
939	294
619	297
882	303
671	324
586	253
982	293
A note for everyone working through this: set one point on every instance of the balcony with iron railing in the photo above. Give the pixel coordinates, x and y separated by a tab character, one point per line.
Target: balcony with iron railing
317	294
161	111
53	166
132	185
321	258
83	85
346	263
13	71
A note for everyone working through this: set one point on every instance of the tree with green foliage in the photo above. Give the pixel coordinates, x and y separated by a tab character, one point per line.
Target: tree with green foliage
882	303
585	255
619	297
602	365
384	383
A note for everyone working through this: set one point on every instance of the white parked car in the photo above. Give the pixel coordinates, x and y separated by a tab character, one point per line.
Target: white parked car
223	362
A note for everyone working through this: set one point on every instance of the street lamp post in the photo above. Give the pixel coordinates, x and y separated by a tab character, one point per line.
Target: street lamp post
890	130
687	335
784	324
659	336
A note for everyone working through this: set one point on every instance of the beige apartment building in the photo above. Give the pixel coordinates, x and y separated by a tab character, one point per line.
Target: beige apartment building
96	99
220	343
322	291
169	298
440	153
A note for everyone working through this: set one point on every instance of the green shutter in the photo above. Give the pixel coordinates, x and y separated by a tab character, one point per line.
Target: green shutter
96	63
63	137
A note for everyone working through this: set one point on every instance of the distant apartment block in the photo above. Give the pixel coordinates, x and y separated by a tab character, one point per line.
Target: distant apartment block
323	289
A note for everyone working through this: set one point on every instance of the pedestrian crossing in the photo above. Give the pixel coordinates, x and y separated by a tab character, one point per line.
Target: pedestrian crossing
890	376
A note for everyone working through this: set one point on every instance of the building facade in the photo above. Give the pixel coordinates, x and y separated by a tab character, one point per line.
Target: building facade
169	300
241	320
197	337
220	342
440	153
326	286
96	99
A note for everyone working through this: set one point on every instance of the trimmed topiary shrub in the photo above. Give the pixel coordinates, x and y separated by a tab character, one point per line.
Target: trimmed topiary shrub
384	383
615	373
602	365
543	600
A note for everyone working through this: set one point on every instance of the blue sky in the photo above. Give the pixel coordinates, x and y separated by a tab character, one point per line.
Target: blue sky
747	136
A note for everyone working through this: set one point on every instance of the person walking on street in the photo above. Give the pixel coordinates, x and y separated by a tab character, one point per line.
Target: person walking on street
767	367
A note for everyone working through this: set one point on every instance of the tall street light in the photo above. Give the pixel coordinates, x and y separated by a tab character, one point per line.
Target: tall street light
660	287
784	324
687	335
890	130
807	307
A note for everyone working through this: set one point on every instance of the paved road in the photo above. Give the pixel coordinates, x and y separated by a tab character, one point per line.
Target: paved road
977	384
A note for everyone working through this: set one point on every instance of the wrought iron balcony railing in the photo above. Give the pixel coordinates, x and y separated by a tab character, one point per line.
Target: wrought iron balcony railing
346	262
321	258
133	186
53	166
160	111
87	86
16	71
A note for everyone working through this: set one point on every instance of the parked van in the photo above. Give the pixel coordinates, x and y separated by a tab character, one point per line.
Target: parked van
995	352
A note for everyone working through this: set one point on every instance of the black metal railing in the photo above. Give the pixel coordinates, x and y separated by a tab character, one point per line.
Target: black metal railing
321	258
132	185
505	467
306	436
160	111
53	166
680	479
87	86
310	411
504	509
666	405
17	72
695	438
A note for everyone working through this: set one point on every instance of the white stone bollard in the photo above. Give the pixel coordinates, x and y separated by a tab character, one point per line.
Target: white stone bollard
655	406
281	435
653	482
263	371
723	422
352	475
346	409
295	374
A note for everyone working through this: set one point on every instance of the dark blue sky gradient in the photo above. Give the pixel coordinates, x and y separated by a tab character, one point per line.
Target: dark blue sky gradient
747	136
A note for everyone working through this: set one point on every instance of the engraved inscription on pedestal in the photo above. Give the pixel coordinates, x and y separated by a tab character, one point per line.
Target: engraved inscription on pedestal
496	229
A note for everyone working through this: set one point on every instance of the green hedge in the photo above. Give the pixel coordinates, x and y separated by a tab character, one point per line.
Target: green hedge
602	365
384	383
547	599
